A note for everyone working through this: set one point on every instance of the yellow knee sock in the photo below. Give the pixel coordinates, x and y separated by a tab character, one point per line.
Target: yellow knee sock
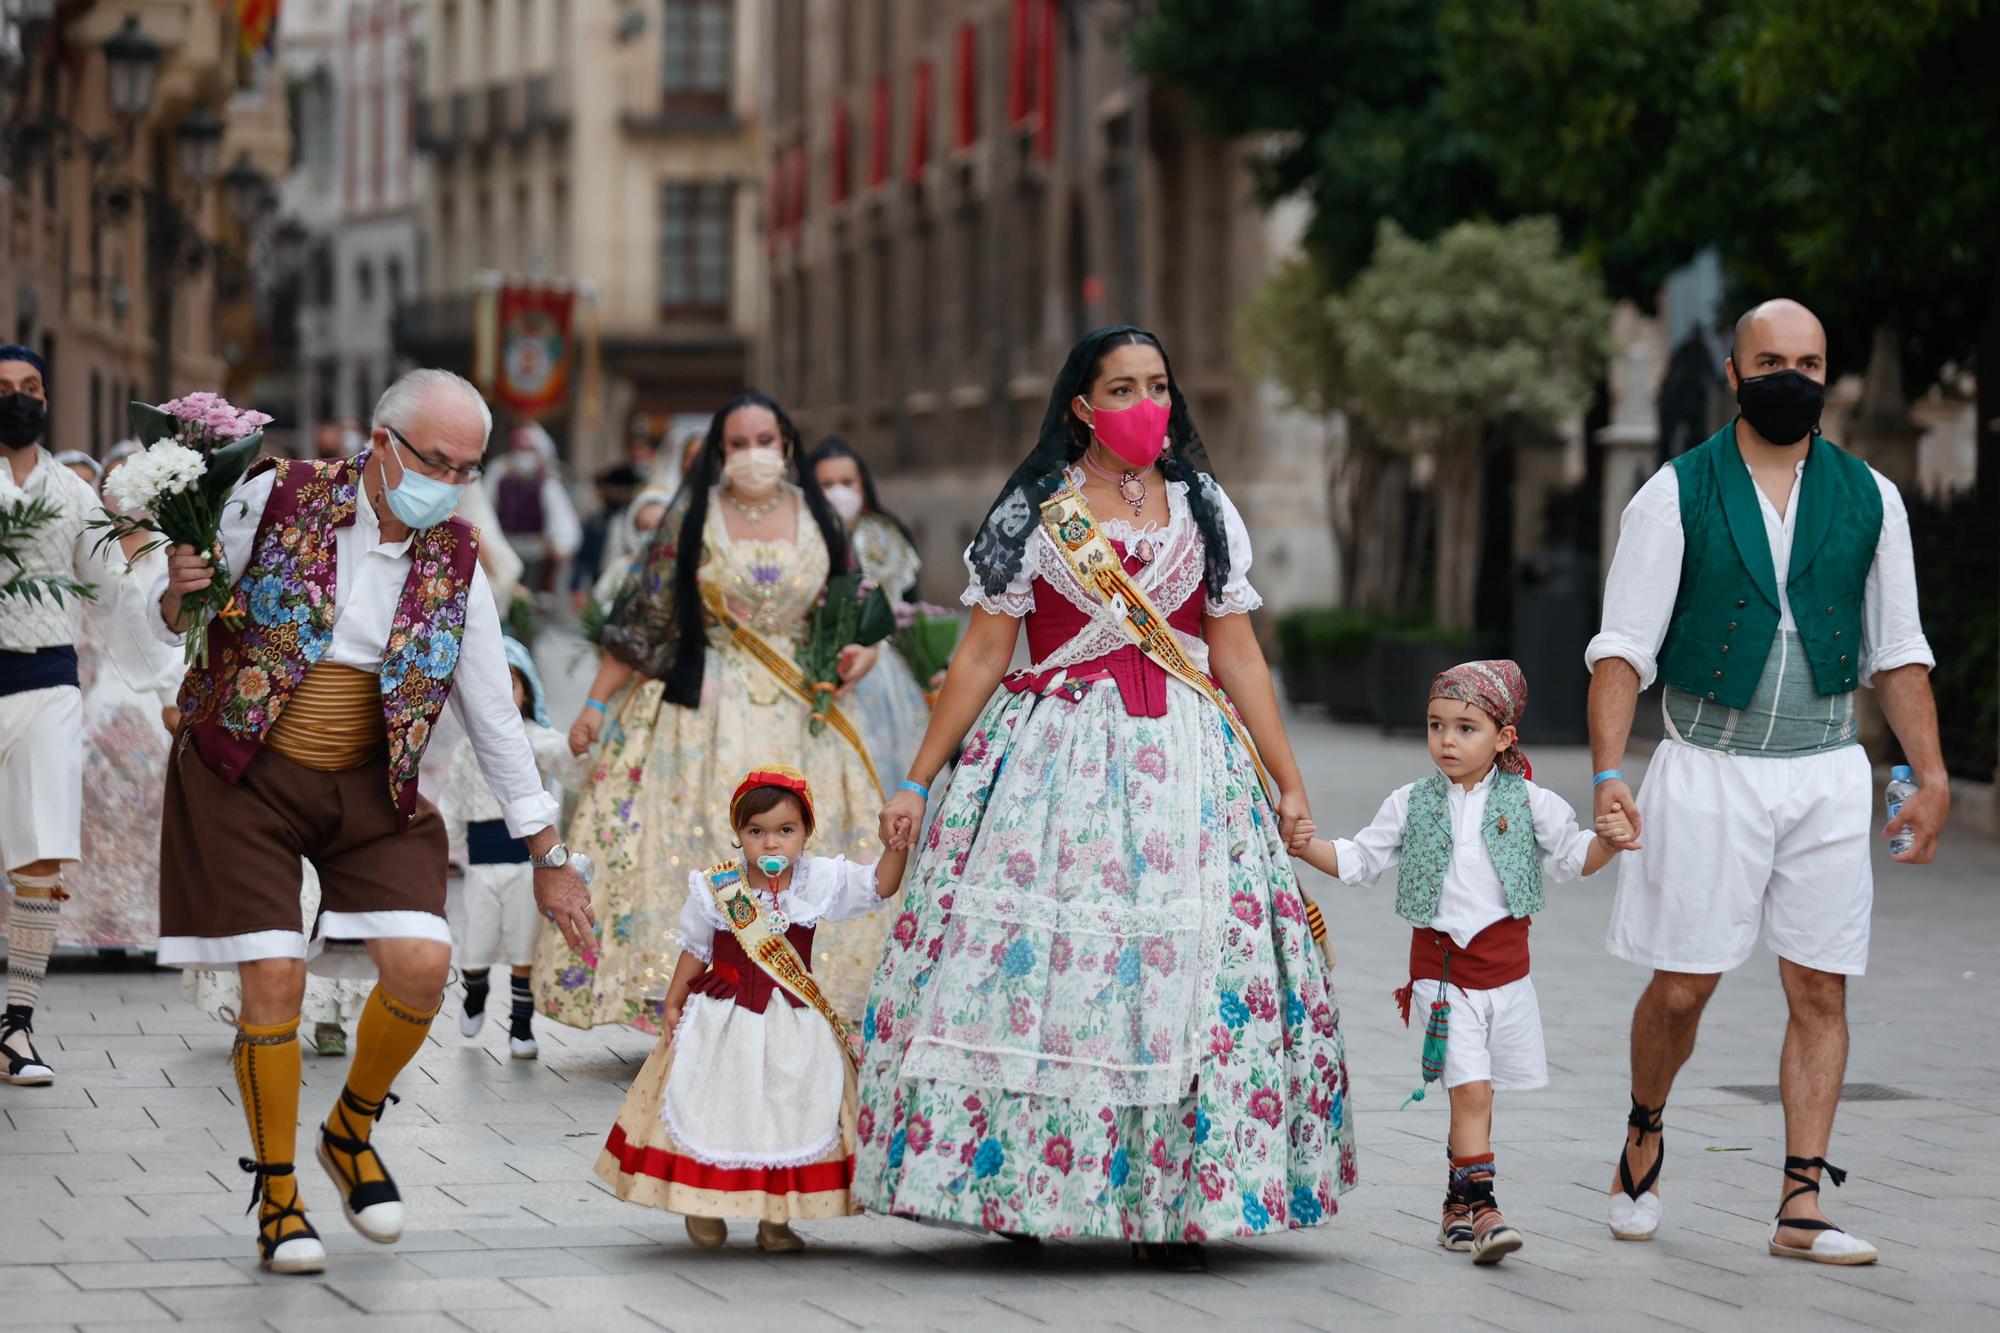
266	1060
388	1036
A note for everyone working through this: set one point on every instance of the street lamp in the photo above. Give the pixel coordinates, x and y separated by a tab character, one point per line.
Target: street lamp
243	190
132	60
200	135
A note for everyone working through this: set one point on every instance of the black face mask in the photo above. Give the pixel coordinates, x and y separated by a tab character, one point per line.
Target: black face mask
22	420
1782	406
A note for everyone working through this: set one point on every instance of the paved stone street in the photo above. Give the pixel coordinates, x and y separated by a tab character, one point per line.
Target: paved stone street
123	1205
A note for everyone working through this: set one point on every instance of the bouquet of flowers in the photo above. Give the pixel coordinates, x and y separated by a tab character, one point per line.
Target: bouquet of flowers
20	517
852	610
926	636
196	449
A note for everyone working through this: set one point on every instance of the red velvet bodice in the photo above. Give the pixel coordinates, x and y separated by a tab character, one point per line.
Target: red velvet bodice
1056	620
731	975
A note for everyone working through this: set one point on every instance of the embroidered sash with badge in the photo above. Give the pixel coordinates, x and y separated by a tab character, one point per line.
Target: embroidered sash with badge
763	941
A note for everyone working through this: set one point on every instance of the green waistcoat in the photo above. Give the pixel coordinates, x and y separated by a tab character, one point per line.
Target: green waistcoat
1726	612
1516	853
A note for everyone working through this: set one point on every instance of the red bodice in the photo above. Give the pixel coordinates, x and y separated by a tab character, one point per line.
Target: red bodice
1056	620
731	975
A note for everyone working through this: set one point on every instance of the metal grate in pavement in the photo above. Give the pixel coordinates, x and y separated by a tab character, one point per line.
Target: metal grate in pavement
1767	1093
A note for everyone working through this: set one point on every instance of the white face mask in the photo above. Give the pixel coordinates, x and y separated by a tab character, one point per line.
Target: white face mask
755	473
846	501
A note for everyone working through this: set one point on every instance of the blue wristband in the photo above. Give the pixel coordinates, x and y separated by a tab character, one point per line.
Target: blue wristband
1604	777
599	705
917	787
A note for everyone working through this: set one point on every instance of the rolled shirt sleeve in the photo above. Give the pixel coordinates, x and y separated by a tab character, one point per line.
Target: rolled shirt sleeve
1564	844
1645	579
1377	849
242	512
1892	633
483	697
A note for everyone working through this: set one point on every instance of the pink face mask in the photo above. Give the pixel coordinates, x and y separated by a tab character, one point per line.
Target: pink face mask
1137	434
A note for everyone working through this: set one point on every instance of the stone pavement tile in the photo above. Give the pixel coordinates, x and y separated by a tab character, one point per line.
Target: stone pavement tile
378	1263
303	1296
23	1247
561	1238
356	1322
44	1307
447	1295
137	1184
580	1319
503	1263
24	1278
207	1326
151	1274
102	1124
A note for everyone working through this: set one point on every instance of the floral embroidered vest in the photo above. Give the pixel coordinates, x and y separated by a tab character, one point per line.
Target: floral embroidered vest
286	594
1516	853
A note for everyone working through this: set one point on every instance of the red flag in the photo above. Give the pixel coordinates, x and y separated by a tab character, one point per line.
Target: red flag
535	347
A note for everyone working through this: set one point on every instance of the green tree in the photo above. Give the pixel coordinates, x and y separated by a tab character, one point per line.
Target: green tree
1441	340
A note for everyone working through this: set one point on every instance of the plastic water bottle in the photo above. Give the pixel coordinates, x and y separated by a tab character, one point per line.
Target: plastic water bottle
1902	785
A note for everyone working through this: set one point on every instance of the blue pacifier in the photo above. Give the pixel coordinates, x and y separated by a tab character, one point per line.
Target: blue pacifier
773	866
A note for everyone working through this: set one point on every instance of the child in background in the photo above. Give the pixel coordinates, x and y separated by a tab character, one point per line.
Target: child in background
746	1108
491	908
1475	841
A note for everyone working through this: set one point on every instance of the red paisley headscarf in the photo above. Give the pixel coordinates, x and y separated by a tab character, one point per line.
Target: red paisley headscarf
775	775
1497	688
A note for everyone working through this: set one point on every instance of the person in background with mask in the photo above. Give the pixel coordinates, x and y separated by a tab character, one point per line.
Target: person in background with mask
41	700
1763	576
535	510
889	704
705	632
366	614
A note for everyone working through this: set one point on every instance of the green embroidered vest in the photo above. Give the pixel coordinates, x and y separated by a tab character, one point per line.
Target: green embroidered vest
1516	853
1726	613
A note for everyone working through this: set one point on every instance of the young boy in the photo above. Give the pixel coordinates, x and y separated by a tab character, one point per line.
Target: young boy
1475	841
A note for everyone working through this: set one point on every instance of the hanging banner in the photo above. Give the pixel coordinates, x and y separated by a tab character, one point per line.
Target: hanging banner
534	349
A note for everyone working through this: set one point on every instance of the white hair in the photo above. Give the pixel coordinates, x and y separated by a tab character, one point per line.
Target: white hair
400	401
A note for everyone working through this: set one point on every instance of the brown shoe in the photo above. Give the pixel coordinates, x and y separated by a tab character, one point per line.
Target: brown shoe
708	1233
1455	1232
778	1238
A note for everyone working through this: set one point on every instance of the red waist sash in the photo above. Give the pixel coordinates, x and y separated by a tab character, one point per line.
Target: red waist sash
1496	955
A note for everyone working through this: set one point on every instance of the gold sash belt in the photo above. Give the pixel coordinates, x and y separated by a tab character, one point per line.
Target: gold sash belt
333	721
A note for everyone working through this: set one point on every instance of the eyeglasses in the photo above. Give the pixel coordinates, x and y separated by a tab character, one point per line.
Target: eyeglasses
437	467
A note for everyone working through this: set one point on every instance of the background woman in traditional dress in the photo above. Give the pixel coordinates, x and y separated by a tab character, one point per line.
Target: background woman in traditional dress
1101	1012
889	702
748	534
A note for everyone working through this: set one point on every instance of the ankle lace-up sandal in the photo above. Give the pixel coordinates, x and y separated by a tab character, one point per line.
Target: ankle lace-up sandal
1635	1211
282	1249
1831	1245
373	1207
20	1063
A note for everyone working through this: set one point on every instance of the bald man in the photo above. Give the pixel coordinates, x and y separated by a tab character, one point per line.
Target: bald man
1763	577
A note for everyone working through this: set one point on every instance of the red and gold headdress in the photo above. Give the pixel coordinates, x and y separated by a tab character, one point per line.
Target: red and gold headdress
774	775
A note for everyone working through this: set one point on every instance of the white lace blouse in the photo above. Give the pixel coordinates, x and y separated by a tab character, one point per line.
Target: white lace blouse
824	888
1171	539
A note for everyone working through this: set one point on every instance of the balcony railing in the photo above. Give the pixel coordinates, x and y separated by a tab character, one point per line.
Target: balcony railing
502	104
548	102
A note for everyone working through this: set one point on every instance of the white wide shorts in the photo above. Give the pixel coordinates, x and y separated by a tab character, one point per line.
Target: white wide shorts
1496	1035
41	776
1735	845
492	916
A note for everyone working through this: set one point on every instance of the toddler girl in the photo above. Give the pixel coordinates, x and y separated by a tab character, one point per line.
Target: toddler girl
747	1106
1475	841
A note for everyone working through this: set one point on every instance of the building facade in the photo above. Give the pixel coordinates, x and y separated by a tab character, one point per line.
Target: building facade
612	145
955	191
121	260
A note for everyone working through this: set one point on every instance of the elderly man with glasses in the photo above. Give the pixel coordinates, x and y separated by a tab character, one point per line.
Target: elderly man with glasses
364	613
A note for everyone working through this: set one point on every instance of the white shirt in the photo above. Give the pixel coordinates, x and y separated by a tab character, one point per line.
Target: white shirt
468	799
368	585
64	547
1473	897
824	888
1645	580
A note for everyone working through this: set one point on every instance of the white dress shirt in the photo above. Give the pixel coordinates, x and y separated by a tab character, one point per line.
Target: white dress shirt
64	547
368	586
1645	580
1473	897
824	888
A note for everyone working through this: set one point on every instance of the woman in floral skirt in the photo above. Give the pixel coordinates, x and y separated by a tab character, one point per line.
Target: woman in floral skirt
1101	1012
707	631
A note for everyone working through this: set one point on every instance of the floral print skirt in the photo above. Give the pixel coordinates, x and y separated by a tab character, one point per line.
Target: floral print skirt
1101	1012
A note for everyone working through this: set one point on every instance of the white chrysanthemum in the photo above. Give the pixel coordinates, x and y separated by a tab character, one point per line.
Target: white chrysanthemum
179	466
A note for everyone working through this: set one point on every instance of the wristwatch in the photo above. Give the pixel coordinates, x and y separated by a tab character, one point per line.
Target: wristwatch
557	858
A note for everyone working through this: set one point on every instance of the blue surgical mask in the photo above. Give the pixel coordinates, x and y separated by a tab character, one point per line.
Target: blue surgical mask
773	866
420	501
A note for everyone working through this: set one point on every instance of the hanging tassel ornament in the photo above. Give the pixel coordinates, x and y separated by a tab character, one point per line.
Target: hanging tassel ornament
1437	1032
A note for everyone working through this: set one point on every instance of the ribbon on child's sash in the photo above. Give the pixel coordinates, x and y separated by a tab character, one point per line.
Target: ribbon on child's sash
785	671
765	945
1075	533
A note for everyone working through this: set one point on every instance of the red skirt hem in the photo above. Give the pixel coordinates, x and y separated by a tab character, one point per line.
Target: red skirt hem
636	1159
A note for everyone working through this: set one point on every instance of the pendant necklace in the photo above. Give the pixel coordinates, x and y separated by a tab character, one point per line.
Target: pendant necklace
754	512
1132	490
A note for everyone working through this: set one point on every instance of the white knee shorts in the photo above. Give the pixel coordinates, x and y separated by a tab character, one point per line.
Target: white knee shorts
41	776
1735	845
1496	1035
492	916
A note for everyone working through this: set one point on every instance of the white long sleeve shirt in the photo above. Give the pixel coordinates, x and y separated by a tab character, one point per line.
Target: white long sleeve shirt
368	585
1473	897
824	888
64	547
